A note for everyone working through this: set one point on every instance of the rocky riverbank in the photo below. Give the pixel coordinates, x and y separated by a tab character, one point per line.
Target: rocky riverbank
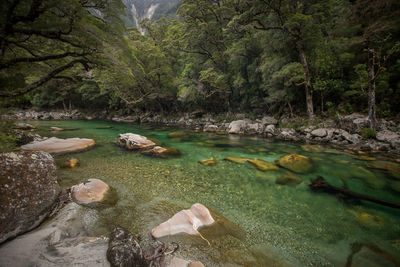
345	131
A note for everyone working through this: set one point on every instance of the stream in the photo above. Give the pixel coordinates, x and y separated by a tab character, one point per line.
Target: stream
272	224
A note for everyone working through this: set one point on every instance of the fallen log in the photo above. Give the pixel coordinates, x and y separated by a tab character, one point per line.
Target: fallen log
321	185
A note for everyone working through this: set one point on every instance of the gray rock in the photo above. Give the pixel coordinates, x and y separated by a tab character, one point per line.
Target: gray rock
61	242
267	120
253	128
387	136
28	191
319	132
237	127
270	129
24	126
124	250
210	128
353	123
134	141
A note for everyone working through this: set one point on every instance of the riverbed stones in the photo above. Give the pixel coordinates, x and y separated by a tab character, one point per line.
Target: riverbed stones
185	221
177	134
207	162
133	141
161	152
392	169
28	191
124	250
90	191
313	148
289	178
263	165
319	132
59	146
296	163
71	163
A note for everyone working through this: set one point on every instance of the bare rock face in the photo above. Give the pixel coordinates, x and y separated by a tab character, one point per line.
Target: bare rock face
93	190
185	221
134	141
59	146
124	250
28	190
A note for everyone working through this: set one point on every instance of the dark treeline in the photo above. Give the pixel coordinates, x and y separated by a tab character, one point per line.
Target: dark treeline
306	57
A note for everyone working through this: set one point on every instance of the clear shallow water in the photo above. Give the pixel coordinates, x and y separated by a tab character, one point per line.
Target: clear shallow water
275	224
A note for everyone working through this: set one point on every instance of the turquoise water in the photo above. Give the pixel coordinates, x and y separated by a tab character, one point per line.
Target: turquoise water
272	224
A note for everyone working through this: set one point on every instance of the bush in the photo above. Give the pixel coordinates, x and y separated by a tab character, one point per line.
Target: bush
368	133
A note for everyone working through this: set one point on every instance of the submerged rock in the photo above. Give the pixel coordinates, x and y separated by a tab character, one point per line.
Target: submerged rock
58	146
91	191
134	141
71	163
124	250
263	165
185	221
56	129
178	262
296	163
313	148
177	134
367	219
239	160
162	152
207	162
60	242
367	177
289	178
28	191
393	169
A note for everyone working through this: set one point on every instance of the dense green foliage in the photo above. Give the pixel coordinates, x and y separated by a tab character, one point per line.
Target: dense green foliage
254	56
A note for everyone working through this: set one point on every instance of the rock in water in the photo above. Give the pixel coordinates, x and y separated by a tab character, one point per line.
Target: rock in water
71	163
239	160
93	190
162	152
289	178
178	262
56	129
58	146
263	165
207	162
24	126
296	163
177	134
28	191
124	250
185	221
134	141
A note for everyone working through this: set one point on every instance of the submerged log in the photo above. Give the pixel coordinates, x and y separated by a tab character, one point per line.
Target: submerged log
321	185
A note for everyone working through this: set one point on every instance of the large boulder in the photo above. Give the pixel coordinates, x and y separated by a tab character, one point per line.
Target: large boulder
267	120
124	250
237	127
134	141
57	146
60	242
321	132
389	137
296	163
354	122
28	191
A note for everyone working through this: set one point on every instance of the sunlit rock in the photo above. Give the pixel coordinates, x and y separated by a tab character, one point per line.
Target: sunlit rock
71	163
207	162
239	160
58	146
367	219
289	178
93	190
263	165
296	163
56	129
185	221
134	141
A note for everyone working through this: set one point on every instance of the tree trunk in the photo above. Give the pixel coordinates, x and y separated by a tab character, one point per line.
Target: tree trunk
307	84
371	89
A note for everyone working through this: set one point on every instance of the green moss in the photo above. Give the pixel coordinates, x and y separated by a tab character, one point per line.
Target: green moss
368	133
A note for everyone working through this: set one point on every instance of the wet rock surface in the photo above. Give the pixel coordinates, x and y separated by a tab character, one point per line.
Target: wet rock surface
57	146
123	249
90	191
64	241
134	141
296	163
28	190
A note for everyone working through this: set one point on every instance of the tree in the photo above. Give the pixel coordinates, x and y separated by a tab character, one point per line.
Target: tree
42	40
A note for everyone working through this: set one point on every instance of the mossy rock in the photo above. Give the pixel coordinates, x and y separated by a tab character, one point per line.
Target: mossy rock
239	160
176	134
263	165
289	178
296	163
367	219
208	162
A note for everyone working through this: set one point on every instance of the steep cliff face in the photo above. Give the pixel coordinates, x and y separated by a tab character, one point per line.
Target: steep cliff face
137	10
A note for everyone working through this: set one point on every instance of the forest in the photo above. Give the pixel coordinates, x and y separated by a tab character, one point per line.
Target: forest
303	57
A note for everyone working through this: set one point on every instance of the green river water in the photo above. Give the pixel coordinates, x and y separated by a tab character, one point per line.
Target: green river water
276	225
